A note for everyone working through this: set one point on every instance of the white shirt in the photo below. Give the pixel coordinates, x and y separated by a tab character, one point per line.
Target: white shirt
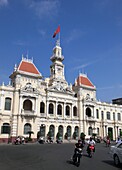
91	142
118	141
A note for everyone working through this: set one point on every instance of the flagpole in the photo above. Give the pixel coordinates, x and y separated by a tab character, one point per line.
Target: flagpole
59	38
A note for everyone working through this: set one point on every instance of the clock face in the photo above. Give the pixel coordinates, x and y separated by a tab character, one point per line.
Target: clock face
59	69
59	87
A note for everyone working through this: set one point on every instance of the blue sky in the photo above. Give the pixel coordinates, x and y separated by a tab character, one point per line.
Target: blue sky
91	39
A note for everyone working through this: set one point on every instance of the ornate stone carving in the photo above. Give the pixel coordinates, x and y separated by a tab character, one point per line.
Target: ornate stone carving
29	89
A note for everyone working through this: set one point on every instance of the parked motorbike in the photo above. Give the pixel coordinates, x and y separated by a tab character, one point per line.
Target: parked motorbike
49	140
77	156
59	141
90	150
41	140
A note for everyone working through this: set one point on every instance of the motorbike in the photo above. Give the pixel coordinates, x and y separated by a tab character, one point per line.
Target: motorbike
49	141
90	150
77	156
41	140
59	141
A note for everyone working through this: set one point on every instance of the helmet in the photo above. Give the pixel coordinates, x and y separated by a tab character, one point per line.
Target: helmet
90	138
79	141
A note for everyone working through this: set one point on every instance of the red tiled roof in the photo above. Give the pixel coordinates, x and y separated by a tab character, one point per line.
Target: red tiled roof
83	80
28	67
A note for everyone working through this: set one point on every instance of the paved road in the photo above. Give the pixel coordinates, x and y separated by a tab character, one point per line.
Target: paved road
52	157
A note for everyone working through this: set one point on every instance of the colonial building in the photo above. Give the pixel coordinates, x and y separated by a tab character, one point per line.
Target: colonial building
52	107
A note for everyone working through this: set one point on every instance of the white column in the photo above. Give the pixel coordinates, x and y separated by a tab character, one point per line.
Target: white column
20	105
64	130
47	105
71	111
56	131
55	109
2	100
64	110
46	129
35	109
85	131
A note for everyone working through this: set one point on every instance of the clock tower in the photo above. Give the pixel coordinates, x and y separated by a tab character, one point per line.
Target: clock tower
57	67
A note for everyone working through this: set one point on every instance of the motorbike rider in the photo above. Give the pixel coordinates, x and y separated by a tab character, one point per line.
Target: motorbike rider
118	140
107	141
91	142
78	145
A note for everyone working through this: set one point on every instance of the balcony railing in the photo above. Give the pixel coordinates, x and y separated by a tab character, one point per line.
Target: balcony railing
29	113
91	119
43	115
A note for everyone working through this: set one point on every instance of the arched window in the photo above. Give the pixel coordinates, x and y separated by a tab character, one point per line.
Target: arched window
59	110
108	115
88	112
5	129
113	115
42	107
50	111
67	111
119	116
97	113
69	132
60	131
102	115
27	128
98	131
7	103
74	111
27	105
76	132
51	131
90	131
42	130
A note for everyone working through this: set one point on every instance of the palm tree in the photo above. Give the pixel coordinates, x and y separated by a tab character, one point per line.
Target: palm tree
30	133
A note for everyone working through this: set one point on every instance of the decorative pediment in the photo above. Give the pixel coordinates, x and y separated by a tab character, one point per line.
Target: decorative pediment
88	98
60	88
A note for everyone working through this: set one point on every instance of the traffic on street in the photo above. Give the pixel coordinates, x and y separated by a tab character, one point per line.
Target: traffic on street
53	156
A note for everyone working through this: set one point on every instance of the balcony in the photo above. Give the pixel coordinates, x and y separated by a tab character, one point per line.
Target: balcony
28	113
42	115
91	119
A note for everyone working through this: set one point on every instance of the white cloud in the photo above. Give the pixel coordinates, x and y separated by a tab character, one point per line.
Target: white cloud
74	34
106	88
3	2
85	65
111	87
42	32
44	8
21	43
